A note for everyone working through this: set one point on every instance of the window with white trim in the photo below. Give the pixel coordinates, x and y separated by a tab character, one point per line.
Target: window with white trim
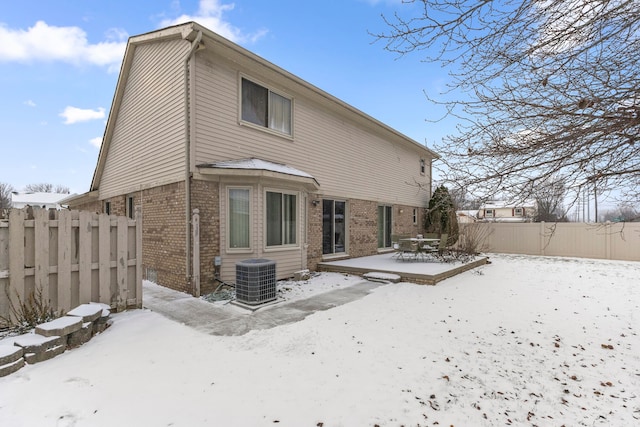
415	216
423	166
518	212
281	218
239	218
263	107
130	208
489	213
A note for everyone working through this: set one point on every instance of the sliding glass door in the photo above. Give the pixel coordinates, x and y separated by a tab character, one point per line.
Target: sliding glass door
333	226
384	226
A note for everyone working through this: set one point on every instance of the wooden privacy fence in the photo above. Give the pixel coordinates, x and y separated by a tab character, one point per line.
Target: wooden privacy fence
619	241
71	257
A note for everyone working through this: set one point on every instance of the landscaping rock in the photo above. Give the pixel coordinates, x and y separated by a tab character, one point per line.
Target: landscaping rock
88	312
38	348
10	368
301	275
50	353
59	327
9	354
80	336
103	322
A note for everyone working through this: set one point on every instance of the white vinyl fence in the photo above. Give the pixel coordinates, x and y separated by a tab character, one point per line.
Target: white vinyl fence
71	257
617	241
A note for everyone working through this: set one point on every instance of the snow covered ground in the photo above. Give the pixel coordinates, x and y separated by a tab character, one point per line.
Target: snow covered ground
521	341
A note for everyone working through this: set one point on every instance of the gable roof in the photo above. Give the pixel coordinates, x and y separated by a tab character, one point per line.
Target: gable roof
192	31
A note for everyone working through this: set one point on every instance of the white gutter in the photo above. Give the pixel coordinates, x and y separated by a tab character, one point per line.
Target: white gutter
187	155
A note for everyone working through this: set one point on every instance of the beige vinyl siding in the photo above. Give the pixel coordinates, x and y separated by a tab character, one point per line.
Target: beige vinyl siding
147	146
347	159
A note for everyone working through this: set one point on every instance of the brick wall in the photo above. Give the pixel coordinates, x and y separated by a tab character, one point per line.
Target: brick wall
163	230
363	228
314	235
163	235
91	207
403	220
205	196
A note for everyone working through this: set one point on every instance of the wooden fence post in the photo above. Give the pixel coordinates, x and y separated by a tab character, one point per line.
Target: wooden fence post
104	259
16	257
122	262
84	257
41	256
64	260
138	257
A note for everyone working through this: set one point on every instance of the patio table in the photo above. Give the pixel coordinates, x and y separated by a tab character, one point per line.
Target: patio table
420	241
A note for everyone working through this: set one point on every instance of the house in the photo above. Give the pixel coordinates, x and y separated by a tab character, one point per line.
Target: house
467	216
277	168
37	200
501	211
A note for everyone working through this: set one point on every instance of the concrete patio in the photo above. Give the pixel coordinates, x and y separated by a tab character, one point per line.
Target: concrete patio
229	320
423	272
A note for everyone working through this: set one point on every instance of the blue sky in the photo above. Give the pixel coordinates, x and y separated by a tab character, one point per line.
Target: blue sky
59	63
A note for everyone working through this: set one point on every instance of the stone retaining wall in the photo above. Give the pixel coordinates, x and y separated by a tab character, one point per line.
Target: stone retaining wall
53	338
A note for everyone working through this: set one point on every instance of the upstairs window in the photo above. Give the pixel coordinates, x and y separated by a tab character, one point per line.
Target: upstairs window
518	212
488	213
265	108
422	167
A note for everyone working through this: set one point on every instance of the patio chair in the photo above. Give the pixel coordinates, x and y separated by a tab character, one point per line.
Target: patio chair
430	246
442	246
406	250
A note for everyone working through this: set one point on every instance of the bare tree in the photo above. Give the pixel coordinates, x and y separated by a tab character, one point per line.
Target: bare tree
5	195
47	188
540	89
549	197
622	213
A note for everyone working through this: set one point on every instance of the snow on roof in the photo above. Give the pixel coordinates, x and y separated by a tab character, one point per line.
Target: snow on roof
497	204
35	199
258	164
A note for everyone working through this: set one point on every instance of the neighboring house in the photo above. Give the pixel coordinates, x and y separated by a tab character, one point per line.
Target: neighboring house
500	211
277	168
37	200
467	216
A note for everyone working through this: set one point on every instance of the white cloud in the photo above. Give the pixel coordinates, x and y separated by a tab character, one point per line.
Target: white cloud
210	14
44	42
29	103
76	115
96	142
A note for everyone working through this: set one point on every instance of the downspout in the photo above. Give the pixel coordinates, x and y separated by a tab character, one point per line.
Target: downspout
187	155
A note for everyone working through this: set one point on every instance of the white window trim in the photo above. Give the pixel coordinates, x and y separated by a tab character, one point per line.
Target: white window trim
267	129
228	220
423	166
516	213
489	213
130	207
277	248
415	216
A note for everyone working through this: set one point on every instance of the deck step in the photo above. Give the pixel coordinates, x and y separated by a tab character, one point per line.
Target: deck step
378	276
